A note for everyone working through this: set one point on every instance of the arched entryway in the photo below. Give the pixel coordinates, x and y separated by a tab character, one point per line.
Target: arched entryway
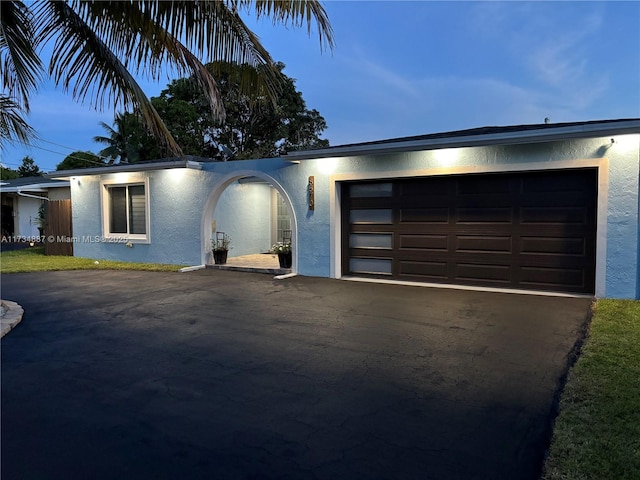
247	206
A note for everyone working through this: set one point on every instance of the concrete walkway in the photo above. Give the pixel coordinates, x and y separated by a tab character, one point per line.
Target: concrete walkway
225	375
10	315
257	263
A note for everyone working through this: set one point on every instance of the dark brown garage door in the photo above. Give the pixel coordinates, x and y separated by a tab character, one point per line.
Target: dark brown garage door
533	230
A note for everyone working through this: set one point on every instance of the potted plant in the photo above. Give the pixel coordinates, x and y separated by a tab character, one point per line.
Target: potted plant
284	253
220	246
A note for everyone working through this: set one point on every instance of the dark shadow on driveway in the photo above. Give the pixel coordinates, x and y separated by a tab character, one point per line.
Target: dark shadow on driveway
225	375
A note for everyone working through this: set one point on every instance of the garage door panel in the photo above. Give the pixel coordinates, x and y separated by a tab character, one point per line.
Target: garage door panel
371	216
424	215
433	243
375	203
484	184
485	273
371	190
433	187
532	230
556	182
479	214
375	240
426	271
554	198
553	245
554	277
483	244
371	265
554	214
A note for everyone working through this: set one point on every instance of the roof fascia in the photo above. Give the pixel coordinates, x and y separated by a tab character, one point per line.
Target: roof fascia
507	138
34	187
133	167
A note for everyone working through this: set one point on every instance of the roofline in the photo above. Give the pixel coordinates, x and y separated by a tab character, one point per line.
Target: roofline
131	167
543	134
34	187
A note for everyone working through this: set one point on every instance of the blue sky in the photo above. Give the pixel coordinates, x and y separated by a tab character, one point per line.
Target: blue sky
411	68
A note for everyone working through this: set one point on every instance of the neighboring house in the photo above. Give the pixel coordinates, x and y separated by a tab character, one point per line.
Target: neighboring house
549	207
21	199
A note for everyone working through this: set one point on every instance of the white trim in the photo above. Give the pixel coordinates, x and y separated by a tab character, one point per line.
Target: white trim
602	164
274	216
285	276
192	268
104	204
466	287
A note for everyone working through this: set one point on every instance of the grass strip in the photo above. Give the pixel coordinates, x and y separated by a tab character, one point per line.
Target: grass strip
34	260
597	432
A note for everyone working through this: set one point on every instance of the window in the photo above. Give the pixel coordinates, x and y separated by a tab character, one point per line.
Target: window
126	211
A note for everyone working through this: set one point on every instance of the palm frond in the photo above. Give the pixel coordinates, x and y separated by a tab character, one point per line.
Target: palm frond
13	126
292	12
147	33
80	58
98	44
20	65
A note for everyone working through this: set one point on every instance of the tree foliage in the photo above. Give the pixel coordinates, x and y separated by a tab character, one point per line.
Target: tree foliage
256	126
80	159
98	47
29	168
8	174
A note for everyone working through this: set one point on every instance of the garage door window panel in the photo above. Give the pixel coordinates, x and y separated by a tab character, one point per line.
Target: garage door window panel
371	216
375	266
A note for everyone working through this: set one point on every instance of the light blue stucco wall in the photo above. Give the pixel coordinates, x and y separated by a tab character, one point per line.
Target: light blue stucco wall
175	205
244	213
185	202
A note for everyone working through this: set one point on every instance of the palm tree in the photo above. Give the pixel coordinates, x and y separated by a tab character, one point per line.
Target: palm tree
118	139
98	45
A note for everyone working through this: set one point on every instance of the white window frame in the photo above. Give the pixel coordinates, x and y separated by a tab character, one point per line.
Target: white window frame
105	185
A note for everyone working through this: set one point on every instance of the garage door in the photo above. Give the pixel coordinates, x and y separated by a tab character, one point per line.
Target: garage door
533	230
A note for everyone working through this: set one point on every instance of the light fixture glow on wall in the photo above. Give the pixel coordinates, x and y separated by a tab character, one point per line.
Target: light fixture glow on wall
327	166
446	157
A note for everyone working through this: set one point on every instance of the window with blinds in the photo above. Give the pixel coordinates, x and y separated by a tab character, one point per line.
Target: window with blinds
126	211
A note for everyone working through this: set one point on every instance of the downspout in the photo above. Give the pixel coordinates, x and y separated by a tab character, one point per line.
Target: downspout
31	196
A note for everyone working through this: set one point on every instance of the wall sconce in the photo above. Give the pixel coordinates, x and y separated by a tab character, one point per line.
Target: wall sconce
311	192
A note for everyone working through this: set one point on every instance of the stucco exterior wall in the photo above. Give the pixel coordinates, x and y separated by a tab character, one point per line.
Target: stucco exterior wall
185	202
244	213
176	201
61	193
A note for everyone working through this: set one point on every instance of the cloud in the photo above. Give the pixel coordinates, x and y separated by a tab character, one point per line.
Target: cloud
375	73
549	39
561	58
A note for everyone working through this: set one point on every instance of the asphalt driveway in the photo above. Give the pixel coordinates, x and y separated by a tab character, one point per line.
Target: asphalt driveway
227	375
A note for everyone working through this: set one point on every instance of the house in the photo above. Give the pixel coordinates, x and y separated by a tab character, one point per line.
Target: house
21	199
548	207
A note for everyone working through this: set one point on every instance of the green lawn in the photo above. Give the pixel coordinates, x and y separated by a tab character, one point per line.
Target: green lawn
34	260
597	433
